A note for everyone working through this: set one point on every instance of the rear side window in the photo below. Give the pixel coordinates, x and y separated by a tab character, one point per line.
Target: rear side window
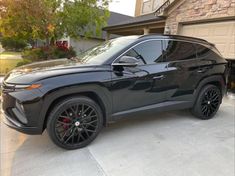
201	50
178	50
149	52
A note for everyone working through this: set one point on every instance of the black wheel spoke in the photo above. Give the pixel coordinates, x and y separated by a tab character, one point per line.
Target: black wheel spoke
93	131
86	110
78	138
88	117
81	135
66	132
88	124
64	123
70	136
204	108
86	132
91	122
65	117
74	111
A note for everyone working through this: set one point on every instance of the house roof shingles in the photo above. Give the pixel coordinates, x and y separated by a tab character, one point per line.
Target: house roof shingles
135	20
115	18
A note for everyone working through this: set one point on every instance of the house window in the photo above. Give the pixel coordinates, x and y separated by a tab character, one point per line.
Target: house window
157	4
147	6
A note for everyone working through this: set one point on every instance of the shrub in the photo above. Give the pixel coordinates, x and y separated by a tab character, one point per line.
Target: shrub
13	44
35	54
23	62
63	52
47	53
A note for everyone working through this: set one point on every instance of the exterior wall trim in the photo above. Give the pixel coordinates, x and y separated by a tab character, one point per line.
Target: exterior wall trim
219	19
138	24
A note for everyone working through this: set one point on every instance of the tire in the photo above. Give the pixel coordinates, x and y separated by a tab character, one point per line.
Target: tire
75	122
207	103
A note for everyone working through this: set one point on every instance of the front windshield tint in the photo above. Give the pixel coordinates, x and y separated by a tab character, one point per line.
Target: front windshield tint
101	53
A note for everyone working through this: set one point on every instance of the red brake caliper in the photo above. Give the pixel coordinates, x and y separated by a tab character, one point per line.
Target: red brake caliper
65	120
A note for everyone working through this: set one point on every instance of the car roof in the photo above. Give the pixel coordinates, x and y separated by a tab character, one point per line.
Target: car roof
179	37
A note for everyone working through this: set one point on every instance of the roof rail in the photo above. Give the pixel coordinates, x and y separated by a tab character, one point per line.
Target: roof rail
195	38
180	37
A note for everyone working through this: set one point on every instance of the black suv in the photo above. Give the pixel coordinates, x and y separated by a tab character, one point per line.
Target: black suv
74	98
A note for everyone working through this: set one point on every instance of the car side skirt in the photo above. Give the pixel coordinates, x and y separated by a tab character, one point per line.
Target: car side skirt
160	107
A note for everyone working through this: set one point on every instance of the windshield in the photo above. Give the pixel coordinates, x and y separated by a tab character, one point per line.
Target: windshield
101	53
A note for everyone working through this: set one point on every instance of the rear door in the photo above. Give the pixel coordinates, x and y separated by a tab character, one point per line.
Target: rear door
182	76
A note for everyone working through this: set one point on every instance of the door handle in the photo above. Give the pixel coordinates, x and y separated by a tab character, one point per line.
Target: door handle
202	70
160	77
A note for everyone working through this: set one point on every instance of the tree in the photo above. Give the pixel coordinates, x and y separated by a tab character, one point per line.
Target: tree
51	19
13	44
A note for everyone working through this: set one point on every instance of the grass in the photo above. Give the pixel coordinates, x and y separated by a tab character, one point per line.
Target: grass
8	61
7	65
10	53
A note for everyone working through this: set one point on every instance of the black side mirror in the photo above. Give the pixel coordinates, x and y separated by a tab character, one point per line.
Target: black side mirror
127	61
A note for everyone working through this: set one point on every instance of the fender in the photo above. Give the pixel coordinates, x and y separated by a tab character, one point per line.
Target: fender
54	89
211	79
55	96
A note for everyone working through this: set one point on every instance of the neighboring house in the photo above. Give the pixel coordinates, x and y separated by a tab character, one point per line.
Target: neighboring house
213	20
84	44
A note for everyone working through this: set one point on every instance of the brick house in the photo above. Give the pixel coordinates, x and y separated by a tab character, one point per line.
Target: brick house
213	20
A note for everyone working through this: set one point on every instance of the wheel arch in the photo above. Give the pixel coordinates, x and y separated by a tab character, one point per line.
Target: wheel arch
217	80
96	93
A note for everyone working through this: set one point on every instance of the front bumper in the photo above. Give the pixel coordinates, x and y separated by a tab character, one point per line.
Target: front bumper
10	122
21	110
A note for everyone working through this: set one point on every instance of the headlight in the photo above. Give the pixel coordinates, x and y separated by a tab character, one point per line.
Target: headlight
15	87
28	87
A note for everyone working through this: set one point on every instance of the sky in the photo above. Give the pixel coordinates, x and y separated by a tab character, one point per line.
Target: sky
126	7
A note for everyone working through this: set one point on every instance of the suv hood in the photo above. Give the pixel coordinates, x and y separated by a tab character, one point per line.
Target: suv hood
37	71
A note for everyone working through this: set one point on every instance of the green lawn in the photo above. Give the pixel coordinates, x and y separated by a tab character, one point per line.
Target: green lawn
10	53
7	65
8	61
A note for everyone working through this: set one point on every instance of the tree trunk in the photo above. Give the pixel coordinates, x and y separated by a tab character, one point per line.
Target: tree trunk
47	42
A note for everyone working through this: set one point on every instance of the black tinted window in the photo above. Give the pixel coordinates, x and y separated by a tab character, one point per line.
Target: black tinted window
202	50
148	52
178	50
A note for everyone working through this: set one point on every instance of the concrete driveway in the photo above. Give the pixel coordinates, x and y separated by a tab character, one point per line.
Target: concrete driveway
166	144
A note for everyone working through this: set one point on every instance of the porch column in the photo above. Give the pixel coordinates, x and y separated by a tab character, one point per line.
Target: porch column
107	36
146	31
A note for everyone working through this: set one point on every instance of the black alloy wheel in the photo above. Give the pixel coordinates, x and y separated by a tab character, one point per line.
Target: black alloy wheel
208	102
75	123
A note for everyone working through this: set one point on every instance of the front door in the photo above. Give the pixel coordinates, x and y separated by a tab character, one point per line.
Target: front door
143	85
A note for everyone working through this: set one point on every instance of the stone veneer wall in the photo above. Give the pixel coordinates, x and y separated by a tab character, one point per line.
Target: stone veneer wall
193	10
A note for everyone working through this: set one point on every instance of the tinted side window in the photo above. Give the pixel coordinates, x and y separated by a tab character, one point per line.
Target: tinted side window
178	50
202	50
148	52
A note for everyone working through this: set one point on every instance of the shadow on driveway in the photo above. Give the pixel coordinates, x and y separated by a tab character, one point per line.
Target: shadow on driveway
172	143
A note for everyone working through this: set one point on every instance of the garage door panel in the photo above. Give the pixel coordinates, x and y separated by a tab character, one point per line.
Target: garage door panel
232	50
221	47
189	31
204	31
220	30
222	34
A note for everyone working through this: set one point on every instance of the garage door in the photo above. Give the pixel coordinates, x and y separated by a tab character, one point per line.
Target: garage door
222	34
